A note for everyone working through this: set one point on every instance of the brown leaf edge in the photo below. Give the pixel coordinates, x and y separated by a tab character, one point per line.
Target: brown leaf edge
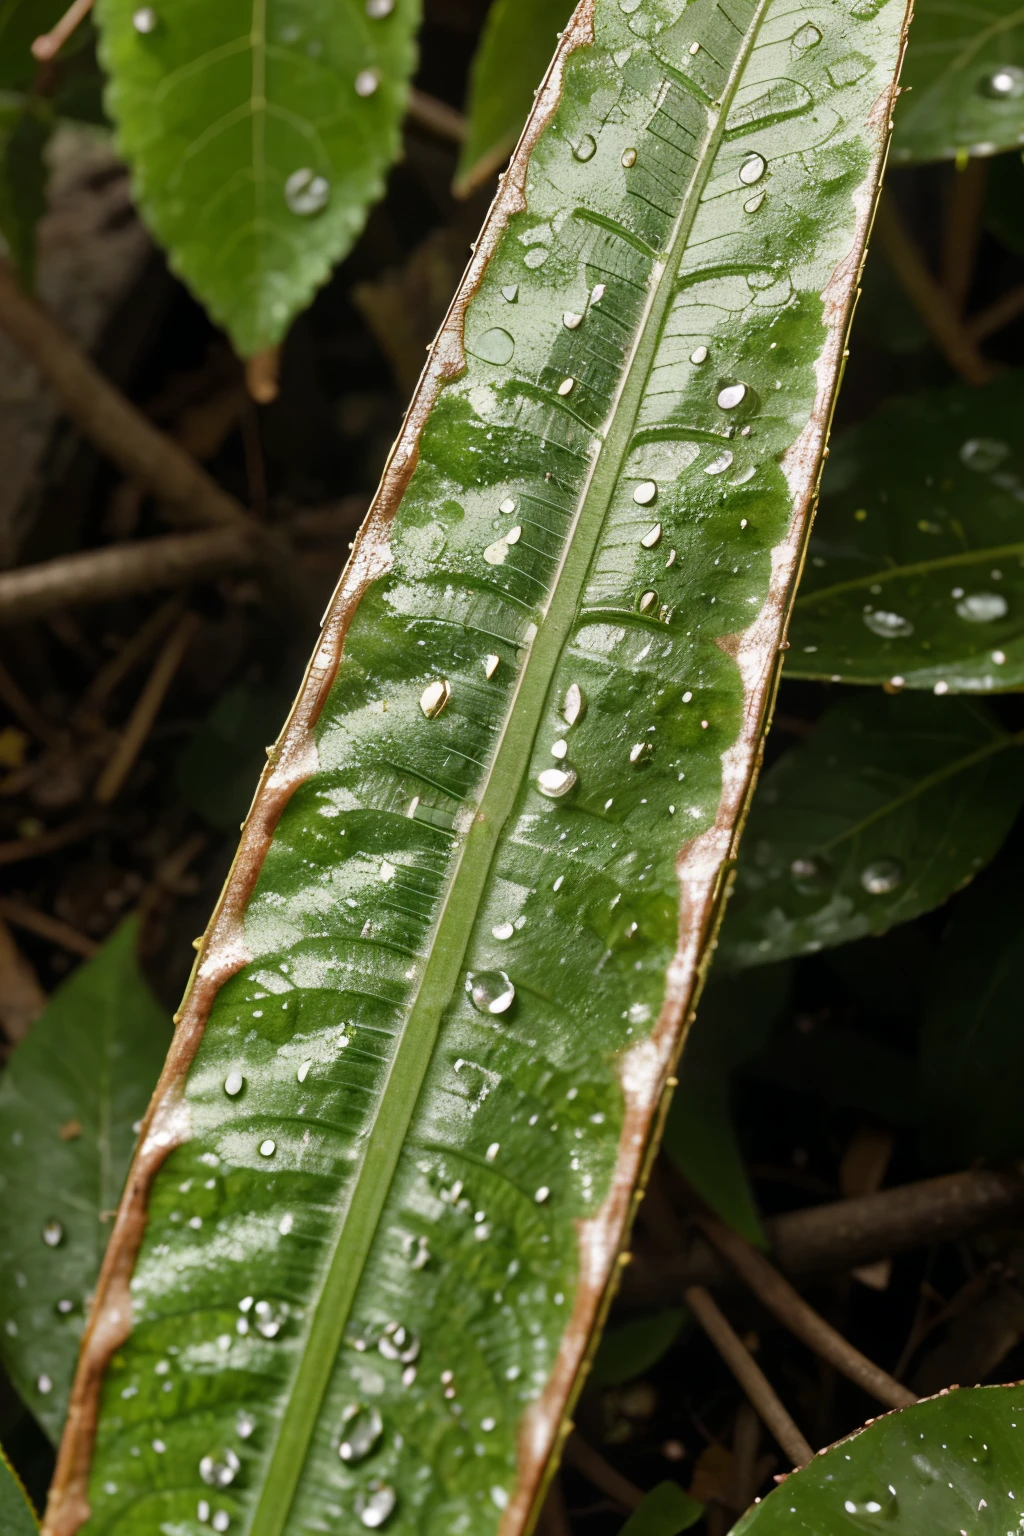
704	865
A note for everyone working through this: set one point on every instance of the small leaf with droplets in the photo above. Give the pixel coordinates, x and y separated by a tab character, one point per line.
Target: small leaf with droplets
964	81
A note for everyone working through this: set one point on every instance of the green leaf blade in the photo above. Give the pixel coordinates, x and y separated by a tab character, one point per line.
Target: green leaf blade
414	1081
665	1511
17	1517
258	139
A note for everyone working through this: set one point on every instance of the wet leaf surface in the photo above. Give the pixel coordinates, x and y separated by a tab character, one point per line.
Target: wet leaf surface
665	1511
16	1515
965	74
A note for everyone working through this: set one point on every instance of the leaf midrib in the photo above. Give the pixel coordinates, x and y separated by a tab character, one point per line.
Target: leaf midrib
509	765
918	568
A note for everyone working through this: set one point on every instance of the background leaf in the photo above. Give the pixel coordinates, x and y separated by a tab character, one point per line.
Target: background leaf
916	564
665	1511
258	146
17	1517
513	53
221	765
963	81
69	1101
949	1463
887	809
630	1349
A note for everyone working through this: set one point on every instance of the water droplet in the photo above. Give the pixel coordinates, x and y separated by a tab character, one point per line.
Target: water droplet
514	535
1004	84
419	1253
999	657
361	1429
492	1151
503	930
375	1504
752	169
220	1521
752	204
305	192
646	601
491	665
219	1468
645	493
492	992
270	1317
367	82
731	396
556	782
303	1071
983	454
203	1511
586	149
559	749
878	1505
720	465
245	1424
641	752
629	158
567	386
233	1084
508	506
889	626
982	607
53	1233
573	704
807	37
699	355
597	293
378	9
881	876
434	697
268	1148
694	48
536	257
494	346
542	1194
44	1384
398	1342
64	1307
809	874
145	20
510	293
651	537
571	320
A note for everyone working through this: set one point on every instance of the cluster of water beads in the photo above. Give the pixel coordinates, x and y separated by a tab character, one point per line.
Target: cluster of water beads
879	878
220	1468
145	20
887	625
220	1520
491	992
306	192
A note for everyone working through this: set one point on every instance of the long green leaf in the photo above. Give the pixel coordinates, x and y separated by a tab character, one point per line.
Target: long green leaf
17	1517
950	1463
916	569
665	1511
965	81
511	58
70	1100
890	806
391	1163
259	132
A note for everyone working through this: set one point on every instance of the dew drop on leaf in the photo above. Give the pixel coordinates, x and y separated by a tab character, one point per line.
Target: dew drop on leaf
44	1383
53	1233
244	1425
571	320
889	626
567	386
645	493
491	991
361	1429
881	876
881	1505
983	454
145	20
270	1318
434	697
219	1468
699	355
378	9
720	465
268	1148
556	782
491	665
367	82
752	169
982	607
646	601
629	158
651	537
573	704
376	1504
1003	84
305	192
494	346
586	148
233	1084
731	396
503	930
398	1342
807	37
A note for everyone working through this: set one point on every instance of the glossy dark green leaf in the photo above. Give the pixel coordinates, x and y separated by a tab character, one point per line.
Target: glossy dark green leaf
916	568
972	1045
258	138
220	767
631	1348
69	1102
514	51
965	78
17	1517
665	1511
414	1082
733	1024
890	806
24	135
950	1463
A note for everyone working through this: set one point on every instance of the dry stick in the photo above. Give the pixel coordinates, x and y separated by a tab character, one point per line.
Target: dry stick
996	315
581	1455
114	671
33	847
22	915
928	298
436	116
790	1308
49	44
26	711
553	1519
97	574
962	231
749	1375
140	722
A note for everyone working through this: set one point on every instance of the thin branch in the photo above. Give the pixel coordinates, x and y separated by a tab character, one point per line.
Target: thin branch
991	319
48	45
928	298
436	116
94	575
581	1455
750	1376
114	671
22	915
140	722
22	999
801	1319
33	847
962	231
554	1517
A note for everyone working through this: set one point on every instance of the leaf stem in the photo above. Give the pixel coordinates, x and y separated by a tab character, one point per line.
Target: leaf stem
49	44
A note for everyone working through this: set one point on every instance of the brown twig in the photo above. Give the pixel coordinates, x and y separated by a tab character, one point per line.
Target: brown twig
22	999
147	707
749	1374
580	1454
962	231
49	44
33	847
97	574
794	1313
22	915
929	299
436	116
114	671
996	315
746	1444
